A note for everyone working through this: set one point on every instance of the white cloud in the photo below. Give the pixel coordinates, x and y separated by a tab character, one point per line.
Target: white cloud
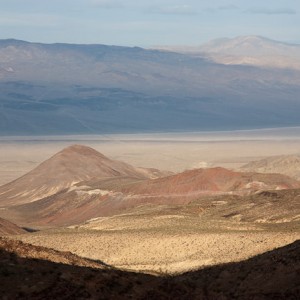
222	8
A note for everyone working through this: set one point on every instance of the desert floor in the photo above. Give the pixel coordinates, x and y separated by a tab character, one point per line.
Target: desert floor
159	240
173	152
159	251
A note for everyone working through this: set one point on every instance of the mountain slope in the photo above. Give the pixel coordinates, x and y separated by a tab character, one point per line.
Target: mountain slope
212	180
106	197
251	46
283	164
247	50
7	227
67	89
69	166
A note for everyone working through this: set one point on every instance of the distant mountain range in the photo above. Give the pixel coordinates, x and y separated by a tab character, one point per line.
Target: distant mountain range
246	50
283	164
80	89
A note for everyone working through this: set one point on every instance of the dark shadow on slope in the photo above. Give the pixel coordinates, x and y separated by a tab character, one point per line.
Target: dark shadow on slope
30	230
272	275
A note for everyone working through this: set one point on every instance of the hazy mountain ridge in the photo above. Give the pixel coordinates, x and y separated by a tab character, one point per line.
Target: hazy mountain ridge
61	88
246	50
284	164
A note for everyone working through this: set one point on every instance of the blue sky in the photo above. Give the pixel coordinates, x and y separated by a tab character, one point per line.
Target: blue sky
147	23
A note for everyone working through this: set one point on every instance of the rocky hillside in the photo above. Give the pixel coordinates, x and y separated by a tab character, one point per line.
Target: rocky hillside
71	165
283	164
7	228
106	197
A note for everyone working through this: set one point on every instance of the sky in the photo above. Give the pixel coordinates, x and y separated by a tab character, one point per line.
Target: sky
147	23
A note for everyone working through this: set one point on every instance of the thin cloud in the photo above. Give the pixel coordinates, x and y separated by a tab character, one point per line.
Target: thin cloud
173	10
223	8
272	11
33	20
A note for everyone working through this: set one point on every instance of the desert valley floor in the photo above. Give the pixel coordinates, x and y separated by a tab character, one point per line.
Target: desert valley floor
179	205
174	152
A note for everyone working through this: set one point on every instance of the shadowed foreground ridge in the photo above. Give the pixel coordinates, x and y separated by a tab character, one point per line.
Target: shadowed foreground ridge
272	275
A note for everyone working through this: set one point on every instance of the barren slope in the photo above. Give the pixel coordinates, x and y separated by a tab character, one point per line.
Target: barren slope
212	180
7	227
260	211
67	167
107	197
283	164
38	252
